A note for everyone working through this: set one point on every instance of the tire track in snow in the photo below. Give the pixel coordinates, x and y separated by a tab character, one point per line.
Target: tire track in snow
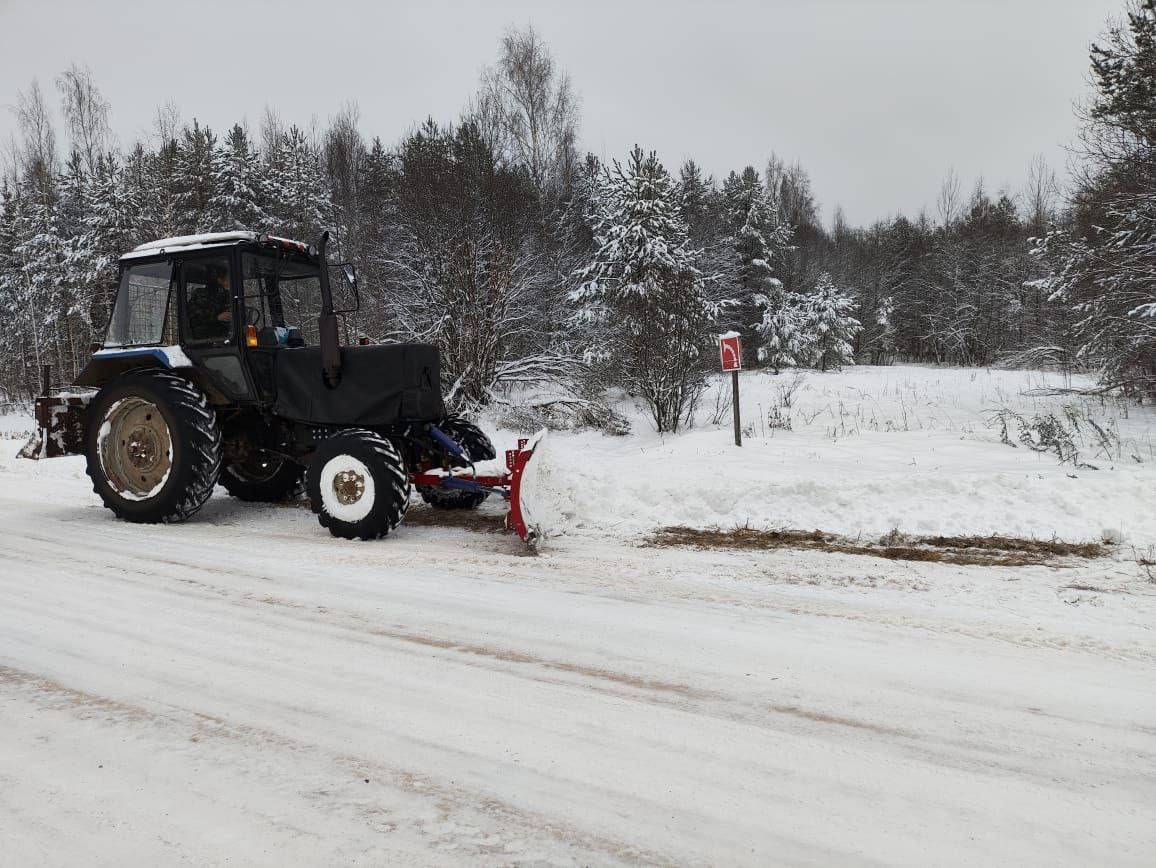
197	727
631	580
966	754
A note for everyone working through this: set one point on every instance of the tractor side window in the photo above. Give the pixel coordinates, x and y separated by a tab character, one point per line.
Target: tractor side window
301	300
285	289
208	300
262	304
140	315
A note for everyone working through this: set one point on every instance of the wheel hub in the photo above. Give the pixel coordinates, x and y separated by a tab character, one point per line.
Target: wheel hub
136	450
141	448
348	486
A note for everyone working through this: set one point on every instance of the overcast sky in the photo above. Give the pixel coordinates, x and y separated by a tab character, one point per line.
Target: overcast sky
877	98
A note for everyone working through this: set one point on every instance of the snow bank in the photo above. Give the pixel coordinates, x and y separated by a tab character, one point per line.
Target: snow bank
870	450
16	426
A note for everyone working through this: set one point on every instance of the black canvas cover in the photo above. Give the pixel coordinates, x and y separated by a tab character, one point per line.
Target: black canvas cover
380	385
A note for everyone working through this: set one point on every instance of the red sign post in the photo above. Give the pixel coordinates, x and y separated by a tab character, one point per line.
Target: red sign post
730	350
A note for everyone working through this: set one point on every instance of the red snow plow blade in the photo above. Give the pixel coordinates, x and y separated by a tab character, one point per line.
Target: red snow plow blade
516	482
525	515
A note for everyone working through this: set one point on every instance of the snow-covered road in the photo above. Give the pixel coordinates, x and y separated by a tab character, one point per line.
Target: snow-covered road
244	688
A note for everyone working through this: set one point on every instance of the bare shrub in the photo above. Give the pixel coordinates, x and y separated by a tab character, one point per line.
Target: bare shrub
788	389
723	401
1044	432
559	414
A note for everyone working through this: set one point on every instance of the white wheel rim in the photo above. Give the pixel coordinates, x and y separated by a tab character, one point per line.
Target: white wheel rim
347	489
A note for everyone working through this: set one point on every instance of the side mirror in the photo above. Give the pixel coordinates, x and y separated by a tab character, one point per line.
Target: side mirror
349	297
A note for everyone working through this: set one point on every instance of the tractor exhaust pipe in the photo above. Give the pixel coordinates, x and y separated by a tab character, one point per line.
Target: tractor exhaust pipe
327	322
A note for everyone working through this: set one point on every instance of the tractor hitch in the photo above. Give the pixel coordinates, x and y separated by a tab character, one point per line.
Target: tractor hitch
516	482
60	422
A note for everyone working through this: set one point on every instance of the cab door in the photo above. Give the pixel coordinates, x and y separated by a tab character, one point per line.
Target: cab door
212	321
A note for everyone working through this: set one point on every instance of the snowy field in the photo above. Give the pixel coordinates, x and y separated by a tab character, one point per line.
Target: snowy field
246	689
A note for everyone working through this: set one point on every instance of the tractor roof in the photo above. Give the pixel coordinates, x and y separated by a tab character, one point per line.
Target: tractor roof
188	243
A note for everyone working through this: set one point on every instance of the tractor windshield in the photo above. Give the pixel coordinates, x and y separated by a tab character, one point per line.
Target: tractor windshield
142	314
282	290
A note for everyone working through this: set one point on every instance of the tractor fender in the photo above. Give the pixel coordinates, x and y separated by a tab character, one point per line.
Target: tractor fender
109	364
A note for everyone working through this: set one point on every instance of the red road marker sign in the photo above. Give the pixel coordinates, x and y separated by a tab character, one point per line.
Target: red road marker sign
731	351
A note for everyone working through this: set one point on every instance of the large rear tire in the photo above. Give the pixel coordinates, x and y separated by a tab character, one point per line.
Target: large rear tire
479	448
358	485
153	447
264	478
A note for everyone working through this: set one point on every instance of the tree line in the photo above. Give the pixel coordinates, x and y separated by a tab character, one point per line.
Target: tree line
547	278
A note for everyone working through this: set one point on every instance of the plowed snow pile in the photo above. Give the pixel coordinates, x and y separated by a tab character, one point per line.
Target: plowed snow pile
868	450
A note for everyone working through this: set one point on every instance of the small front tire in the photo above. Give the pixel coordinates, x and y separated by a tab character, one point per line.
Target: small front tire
358	485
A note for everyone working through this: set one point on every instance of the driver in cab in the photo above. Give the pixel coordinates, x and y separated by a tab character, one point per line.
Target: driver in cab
211	305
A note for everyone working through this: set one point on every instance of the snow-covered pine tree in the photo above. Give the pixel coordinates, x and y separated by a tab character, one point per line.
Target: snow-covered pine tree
299	202
112	226
72	299
640	300
757	238
378	217
194	180
752	217
704	210
1109	257
39	256
784	341
12	372
74	195
882	346
150	176
573	226
238	185
696	195
829	325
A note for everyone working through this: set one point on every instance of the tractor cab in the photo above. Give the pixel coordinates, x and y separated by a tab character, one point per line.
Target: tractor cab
208	300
